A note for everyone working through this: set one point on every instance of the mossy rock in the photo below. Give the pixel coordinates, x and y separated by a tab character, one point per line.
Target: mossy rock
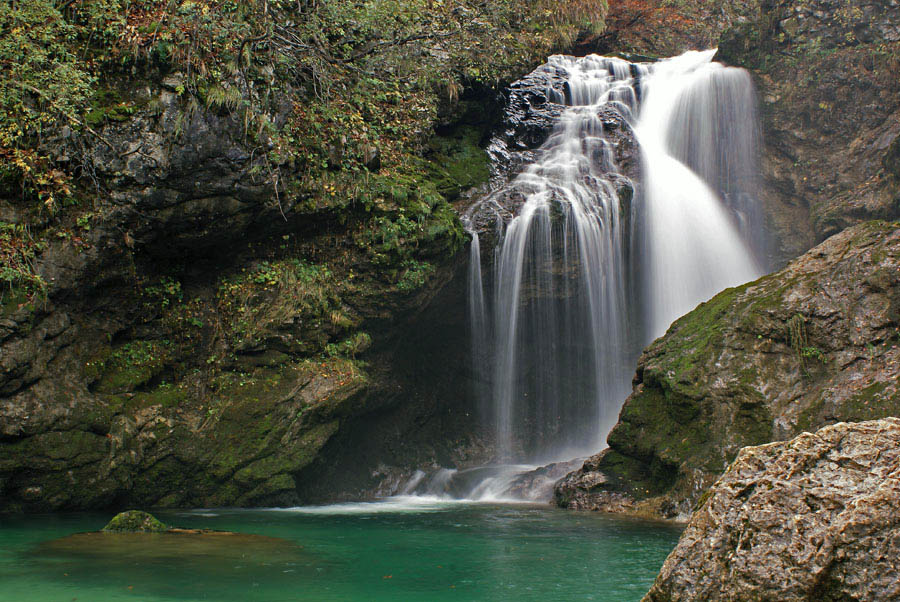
135	521
458	162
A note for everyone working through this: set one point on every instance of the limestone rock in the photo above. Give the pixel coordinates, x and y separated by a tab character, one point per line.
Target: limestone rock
128	385
814	518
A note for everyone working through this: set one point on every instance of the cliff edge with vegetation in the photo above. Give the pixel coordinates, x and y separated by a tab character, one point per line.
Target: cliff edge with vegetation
223	226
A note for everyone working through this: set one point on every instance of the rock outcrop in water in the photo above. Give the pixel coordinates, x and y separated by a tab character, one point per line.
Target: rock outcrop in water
135	521
814	518
811	345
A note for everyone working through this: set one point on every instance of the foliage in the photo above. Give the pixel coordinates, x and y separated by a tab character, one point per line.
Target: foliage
42	83
17	273
356	60
660	27
164	293
415	274
337	99
350	347
798	339
254	302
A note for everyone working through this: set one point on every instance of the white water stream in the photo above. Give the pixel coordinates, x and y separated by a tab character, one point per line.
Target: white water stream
582	280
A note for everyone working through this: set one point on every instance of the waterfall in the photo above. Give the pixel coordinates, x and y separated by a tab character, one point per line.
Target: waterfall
588	266
698	140
559	313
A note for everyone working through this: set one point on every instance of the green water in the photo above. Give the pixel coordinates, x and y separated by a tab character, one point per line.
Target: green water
389	551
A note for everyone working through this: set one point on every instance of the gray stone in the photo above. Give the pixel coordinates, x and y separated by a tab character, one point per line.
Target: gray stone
814	518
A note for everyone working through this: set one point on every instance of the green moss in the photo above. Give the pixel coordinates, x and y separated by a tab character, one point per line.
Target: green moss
14	299
130	366
661	430
641	479
751	425
54	450
257	432
875	401
292	458
350	347
693	342
135	521
458	162
280	483
166	395
415	275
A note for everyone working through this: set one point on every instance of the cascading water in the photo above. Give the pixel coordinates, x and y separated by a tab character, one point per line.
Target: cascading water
583	275
559	311
697	131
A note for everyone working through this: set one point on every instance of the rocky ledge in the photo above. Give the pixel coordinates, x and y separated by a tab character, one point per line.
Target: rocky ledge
814	518
814	344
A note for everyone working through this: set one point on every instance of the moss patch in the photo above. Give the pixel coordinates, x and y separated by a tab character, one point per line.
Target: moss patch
135	521
457	162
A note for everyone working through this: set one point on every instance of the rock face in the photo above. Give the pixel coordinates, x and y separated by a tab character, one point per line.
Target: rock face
826	72
532	111
203	338
826	75
811	345
814	518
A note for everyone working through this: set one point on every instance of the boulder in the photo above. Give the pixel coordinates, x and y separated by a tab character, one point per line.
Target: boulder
814	518
135	521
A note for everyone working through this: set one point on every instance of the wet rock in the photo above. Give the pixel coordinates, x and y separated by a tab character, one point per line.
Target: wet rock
533	111
814	344
538	484
814	518
135	521
530	112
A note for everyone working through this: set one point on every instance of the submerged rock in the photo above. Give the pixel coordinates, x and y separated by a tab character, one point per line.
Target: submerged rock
814	344
135	521
814	518
206	552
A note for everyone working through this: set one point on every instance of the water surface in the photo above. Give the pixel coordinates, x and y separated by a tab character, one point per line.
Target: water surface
412	549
